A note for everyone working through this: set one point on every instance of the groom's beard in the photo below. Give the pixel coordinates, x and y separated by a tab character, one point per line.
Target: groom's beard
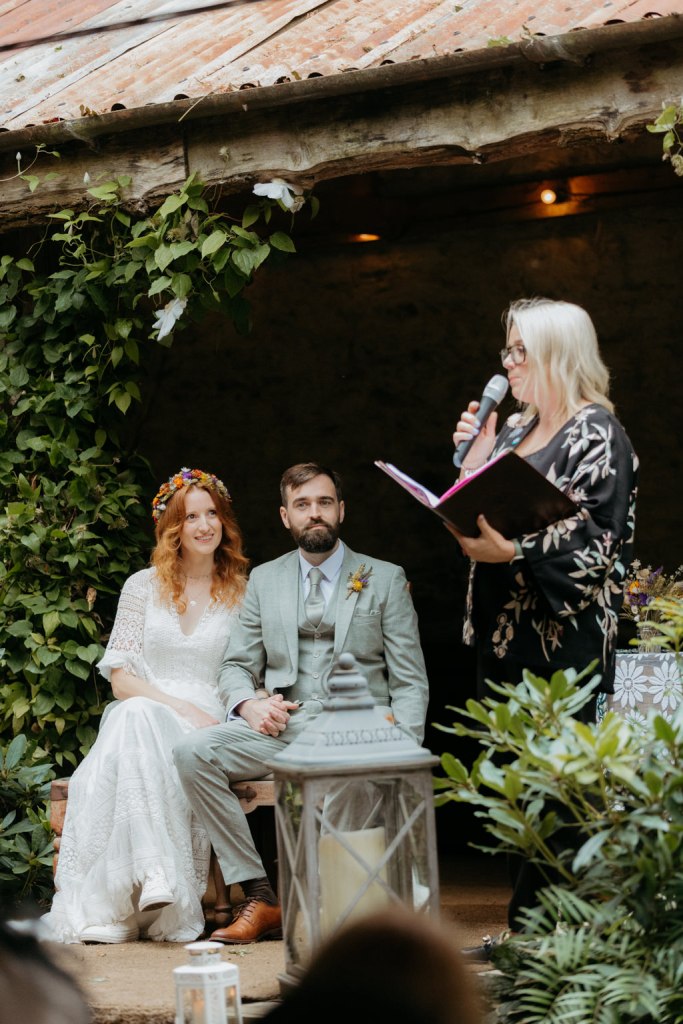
317	538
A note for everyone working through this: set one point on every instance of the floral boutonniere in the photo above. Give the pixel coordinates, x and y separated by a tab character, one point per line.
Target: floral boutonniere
358	580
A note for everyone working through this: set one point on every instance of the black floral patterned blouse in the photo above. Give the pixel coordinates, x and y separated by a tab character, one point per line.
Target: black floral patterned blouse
557	605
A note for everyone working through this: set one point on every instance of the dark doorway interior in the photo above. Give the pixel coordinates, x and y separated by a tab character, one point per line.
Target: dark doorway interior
369	349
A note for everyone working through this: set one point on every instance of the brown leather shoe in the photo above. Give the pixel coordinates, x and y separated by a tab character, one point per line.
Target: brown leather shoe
253	921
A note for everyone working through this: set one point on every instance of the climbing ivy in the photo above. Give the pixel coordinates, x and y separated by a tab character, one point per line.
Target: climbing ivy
81	314
669	124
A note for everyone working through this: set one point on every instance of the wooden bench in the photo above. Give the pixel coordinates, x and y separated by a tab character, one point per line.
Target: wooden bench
216	901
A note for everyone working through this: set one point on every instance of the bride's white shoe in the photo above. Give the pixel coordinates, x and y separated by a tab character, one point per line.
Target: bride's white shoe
121	932
155	895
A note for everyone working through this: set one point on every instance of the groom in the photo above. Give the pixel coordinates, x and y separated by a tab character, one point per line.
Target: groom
300	612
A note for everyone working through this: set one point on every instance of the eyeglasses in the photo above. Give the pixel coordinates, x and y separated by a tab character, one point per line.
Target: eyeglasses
517	353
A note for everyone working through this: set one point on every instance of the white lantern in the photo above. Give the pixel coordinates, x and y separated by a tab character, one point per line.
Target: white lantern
207	988
354	812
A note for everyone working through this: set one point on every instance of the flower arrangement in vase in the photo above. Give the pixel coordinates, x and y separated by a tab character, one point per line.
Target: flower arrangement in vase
644	587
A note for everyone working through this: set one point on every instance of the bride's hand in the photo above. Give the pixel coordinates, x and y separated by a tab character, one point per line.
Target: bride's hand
194	715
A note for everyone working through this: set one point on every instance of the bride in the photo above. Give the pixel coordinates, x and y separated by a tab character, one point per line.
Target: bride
132	856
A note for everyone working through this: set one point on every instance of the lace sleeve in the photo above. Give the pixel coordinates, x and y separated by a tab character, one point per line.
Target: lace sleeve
124	649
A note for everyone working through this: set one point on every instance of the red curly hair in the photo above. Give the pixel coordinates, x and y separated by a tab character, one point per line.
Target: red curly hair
230	562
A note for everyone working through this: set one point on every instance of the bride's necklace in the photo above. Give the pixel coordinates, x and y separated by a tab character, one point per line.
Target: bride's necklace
192	601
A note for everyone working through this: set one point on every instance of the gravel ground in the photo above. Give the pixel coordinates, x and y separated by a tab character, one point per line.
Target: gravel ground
132	983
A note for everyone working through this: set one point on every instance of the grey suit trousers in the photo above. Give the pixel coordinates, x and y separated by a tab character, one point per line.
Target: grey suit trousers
208	761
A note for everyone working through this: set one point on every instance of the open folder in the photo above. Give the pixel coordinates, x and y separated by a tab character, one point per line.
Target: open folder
514	497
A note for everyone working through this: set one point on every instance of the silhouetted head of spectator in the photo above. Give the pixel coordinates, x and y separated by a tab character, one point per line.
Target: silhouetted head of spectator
394	965
33	989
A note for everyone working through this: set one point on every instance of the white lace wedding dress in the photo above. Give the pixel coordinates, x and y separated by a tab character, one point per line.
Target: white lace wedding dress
128	827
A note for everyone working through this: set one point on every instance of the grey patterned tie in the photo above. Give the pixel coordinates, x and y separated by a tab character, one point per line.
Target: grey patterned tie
315	602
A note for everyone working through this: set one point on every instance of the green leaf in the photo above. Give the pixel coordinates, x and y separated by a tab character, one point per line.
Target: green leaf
213	243
163	256
454	768
663	730
20	628
7	316
90	653
25	489
149	241
78	669
15	751
261	252
160	285
122	400
43	703
123	326
106	192
248	236
250	216
19	708
181	285
50	623
132	350
244	260
32	180
18	376
279	240
590	850
48	655
170	205
182	249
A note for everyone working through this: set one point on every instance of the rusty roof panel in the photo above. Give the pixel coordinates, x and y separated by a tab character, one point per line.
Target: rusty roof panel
231	47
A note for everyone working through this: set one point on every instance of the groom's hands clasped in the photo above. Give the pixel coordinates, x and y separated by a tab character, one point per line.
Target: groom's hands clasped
267	715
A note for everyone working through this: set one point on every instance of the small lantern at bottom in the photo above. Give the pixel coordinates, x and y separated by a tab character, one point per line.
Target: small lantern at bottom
207	988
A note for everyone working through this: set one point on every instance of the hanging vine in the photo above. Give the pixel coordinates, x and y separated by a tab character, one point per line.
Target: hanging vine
80	315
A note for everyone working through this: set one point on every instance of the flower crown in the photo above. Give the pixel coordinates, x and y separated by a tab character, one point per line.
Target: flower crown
185	478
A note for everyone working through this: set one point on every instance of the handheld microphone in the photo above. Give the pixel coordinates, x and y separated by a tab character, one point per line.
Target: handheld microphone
492	395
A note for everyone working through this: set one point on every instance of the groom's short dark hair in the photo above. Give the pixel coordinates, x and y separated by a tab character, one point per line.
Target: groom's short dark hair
297	475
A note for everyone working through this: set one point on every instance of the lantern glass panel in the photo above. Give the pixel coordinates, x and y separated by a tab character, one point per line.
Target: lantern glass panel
373	846
203	1005
350	846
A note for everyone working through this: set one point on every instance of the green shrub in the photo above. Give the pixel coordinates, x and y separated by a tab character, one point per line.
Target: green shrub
605	943
26	850
82	315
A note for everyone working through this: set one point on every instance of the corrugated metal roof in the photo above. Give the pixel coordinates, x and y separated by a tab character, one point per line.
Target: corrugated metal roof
106	64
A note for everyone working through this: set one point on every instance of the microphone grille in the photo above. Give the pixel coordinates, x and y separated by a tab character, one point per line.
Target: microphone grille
497	387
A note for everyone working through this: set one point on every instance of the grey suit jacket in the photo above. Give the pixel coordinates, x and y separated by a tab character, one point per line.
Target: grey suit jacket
378	625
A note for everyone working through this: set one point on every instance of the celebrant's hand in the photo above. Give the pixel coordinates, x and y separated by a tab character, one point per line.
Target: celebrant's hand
489	546
467	428
268	715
